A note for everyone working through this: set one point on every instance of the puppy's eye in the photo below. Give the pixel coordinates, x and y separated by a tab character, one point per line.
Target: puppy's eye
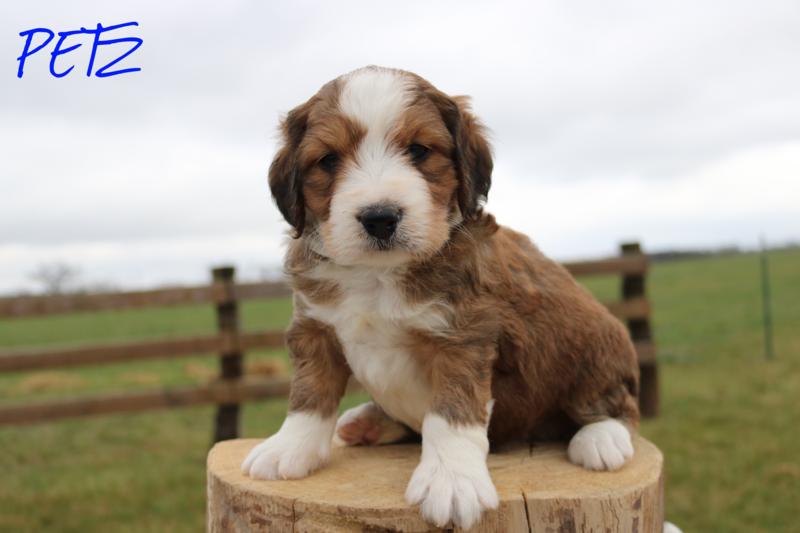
418	152
328	162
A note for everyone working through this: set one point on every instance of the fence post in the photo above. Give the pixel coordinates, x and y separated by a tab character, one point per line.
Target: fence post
766	301
227	420
633	286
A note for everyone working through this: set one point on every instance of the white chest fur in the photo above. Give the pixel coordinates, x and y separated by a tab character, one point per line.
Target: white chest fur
371	320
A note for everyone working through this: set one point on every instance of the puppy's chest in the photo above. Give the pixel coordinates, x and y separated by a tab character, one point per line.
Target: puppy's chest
372	319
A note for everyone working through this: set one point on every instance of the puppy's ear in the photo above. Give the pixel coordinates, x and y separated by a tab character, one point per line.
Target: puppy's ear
285	181
471	152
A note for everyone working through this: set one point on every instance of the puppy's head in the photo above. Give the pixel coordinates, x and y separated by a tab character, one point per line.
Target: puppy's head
378	166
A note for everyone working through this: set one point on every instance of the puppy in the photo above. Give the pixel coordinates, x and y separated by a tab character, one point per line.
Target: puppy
459	329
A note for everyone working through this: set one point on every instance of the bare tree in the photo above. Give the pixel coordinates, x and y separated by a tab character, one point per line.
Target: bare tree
55	277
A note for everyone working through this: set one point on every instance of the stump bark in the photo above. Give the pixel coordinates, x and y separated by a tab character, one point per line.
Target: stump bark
362	489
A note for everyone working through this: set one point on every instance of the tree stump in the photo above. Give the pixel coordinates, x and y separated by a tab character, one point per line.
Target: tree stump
362	489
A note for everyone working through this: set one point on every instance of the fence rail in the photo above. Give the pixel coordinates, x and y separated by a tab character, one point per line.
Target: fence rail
26	306
100	354
231	389
219	392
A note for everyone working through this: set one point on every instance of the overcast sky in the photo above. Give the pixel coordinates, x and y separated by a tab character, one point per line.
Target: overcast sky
674	123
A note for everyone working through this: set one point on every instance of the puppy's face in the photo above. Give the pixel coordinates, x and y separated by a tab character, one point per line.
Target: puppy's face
378	166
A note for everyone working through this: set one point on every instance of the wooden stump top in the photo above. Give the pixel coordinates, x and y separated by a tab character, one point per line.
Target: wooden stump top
362	489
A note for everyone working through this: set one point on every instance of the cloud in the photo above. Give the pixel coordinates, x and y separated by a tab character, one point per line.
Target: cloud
730	200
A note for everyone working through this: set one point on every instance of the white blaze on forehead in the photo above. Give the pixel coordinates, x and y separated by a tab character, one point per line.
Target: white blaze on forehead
375	98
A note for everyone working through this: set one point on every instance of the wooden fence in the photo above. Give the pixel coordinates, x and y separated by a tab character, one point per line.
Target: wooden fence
232	388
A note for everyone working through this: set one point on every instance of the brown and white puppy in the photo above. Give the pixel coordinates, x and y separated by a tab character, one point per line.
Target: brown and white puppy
459	329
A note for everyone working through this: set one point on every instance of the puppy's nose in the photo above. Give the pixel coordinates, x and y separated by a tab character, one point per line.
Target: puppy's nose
380	221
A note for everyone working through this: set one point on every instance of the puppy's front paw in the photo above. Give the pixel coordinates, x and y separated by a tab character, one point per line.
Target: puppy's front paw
281	458
452	480
445	494
301	446
602	445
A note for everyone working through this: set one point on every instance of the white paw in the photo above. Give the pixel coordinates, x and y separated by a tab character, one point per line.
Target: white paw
459	495
602	445
669	527
368	424
302	445
452	481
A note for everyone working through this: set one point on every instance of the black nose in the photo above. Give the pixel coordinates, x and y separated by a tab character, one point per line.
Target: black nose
380	221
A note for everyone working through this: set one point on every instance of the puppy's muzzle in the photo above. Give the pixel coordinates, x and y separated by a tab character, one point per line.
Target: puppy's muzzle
380	221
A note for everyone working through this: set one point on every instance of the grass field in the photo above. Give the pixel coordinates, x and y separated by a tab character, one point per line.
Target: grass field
728	425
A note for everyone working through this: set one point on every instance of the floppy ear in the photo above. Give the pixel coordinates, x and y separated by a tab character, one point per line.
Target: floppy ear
471	152
284	173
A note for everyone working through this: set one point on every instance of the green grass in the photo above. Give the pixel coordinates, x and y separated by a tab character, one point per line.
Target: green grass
727	425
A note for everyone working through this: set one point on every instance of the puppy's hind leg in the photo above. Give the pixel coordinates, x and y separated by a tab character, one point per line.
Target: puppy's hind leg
368	424
603	441
604	445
